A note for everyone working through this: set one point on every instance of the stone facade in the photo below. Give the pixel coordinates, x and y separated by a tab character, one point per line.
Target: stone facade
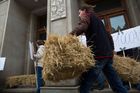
17	25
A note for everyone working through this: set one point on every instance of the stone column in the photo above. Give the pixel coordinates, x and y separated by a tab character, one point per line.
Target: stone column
4	9
62	17
31	36
134	11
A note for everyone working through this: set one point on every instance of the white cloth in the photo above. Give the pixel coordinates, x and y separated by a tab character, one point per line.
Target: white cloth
82	39
39	54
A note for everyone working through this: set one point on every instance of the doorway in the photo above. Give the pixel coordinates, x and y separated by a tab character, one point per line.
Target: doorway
41	32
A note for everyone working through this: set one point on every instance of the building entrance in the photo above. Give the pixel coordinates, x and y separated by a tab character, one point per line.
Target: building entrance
41	27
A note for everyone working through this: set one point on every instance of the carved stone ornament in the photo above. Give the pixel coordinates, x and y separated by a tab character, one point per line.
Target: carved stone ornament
58	9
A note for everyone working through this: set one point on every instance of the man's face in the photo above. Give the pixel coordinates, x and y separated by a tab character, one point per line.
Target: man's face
82	13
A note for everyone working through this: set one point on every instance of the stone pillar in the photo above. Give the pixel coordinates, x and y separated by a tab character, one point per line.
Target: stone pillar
133	7
31	36
4	7
62	16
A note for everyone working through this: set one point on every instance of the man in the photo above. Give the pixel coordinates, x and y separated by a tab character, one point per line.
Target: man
101	44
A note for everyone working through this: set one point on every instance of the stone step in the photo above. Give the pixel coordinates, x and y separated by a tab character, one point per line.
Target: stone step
110	91
58	90
19	90
75	90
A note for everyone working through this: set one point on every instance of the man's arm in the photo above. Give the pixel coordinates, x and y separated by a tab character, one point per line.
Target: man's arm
111	40
82	27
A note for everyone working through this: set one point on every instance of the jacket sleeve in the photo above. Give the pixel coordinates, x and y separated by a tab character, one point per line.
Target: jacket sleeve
82	27
40	52
111	41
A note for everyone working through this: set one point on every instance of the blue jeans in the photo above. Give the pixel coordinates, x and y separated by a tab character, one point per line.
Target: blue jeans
126	84
101	81
138	86
39	78
92	74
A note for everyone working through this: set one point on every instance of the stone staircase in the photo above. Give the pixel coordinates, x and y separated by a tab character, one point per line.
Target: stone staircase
75	90
58	90
19	90
67	86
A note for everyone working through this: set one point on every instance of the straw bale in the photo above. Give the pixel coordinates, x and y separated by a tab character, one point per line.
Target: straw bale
135	75
21	80
127	68
65	58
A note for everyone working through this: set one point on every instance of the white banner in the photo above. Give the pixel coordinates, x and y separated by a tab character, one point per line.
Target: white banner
31	50
2	63
127	39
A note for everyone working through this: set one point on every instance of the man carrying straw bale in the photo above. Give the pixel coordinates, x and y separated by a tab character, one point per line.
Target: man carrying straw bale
101	44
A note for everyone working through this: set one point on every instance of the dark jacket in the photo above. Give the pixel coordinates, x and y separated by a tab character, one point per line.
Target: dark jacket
98	38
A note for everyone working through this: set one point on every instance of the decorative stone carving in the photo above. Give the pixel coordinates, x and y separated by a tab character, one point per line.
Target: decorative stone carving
58	9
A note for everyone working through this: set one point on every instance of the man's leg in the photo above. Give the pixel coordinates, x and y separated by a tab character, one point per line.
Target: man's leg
113	79
89	77
101	81
126	84
137	86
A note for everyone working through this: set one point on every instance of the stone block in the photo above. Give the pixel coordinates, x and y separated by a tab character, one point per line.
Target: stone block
63	83
60	89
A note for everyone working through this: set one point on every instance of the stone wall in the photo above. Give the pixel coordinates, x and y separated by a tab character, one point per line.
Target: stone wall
15	43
